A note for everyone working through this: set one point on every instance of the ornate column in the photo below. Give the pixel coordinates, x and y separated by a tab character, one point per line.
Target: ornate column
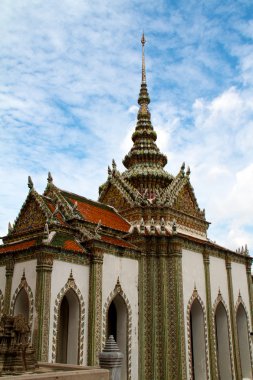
237	364
164	291
95	306
250	288
42	306
142	314
176	330
7	294
211	329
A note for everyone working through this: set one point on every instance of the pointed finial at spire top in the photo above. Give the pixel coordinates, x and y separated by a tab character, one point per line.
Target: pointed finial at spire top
143	77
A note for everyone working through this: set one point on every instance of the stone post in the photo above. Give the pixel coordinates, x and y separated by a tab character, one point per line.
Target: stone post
111	358
42	306
8	284
95	306
211	328
237	363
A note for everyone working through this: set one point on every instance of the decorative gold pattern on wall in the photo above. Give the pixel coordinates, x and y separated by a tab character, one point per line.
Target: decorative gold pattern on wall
218	300
118	290
185	203
195	296
31	217
70	284
115	199
24	285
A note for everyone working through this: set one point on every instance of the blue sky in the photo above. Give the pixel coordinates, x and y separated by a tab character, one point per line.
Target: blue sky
69	81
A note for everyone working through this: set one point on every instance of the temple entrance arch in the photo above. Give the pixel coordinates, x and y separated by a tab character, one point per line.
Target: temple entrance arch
198	349
67	350
117	326
21	305
243	340
222	343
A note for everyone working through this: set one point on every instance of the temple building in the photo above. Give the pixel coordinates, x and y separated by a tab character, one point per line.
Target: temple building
138	265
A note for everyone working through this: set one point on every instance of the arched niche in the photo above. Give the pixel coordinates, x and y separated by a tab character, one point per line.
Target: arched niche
243	340
222	343
198	344
22	302
67	350
21	305
117	321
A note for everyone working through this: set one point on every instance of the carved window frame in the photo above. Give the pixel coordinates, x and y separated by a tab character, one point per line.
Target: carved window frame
70	285
24	285
219	300
195	296
238	303
118	291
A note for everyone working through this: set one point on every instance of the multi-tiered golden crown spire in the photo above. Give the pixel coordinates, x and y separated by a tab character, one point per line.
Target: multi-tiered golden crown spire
145	162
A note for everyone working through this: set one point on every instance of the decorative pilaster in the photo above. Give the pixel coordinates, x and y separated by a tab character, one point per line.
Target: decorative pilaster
237	364
95	307
7	294
176	331
250	290
42	306
211	337
164	290
142	314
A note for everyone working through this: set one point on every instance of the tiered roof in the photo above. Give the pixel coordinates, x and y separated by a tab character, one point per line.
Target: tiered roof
146	191
145	162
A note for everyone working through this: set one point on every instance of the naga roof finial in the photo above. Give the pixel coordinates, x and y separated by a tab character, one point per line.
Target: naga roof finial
49	178
30	183
143	77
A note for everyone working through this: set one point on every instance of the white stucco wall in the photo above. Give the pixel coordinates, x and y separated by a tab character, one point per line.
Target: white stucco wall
60	274
30	273
218	277
2	279
193	275
240	284
127	271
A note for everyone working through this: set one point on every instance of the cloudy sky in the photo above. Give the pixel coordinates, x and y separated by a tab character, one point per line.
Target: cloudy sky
69	81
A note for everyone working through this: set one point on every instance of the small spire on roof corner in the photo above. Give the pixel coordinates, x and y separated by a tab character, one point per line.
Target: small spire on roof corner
30	183
49	178
114	166
182	169
10	228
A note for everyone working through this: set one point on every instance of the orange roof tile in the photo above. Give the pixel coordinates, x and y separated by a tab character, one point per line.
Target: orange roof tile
94	212
17	246
116	241
72	246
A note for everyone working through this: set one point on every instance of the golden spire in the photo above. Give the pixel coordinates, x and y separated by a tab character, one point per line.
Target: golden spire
143	77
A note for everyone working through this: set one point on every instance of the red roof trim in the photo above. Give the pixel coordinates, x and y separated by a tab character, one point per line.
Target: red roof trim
116	241
18	246
72	246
